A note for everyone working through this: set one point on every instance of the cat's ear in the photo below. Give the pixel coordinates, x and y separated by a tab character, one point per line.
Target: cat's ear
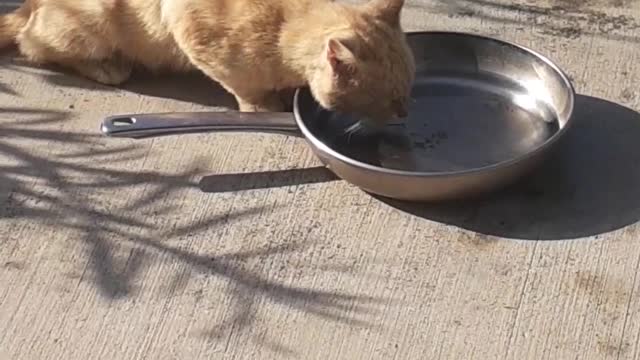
339	57
386	10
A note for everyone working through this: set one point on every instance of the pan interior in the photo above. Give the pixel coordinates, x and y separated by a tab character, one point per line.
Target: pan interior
457	122
477	102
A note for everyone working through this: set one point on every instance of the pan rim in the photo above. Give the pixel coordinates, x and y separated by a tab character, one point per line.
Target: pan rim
317	143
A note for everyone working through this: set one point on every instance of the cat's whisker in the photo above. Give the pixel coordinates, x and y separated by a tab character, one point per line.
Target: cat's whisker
399	123
352	130
364	128
354	127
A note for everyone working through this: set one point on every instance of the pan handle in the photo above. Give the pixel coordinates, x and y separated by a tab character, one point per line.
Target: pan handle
140	126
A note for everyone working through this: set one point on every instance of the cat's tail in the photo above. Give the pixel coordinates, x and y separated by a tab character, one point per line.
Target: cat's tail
12	23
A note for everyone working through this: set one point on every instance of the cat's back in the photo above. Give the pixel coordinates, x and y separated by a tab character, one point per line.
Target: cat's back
234	11
134	27
233	28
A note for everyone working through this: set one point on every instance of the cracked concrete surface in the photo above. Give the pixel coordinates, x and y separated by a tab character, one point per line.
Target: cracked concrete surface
240	246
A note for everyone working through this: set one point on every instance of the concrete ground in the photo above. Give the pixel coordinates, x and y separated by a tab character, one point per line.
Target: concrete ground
241	246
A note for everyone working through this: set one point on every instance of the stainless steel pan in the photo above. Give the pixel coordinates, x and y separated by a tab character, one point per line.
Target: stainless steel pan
485	113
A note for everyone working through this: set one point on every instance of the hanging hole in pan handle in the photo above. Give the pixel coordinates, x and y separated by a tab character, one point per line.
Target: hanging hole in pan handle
138	126
111	126
123	121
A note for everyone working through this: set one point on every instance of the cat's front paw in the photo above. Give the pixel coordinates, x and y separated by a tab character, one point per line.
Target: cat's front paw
270	104
108	72
261	108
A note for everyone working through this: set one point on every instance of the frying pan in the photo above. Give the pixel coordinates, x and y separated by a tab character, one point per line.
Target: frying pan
485	112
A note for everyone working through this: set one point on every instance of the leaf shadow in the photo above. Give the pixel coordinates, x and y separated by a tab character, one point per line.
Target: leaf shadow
50	176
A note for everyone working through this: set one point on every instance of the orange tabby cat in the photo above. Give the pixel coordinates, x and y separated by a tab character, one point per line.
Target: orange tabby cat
354	58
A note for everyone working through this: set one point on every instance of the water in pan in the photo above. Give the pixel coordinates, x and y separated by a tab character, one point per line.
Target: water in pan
456	122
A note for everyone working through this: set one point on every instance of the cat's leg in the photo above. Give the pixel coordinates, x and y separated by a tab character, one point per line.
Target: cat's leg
258	101
287	95
57	35
197	38
249	98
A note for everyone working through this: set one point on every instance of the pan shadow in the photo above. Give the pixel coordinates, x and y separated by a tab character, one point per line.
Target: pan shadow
587	187
264	180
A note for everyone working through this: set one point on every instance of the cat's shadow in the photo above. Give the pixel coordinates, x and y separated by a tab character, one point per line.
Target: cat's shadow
192	87
7	6
589	186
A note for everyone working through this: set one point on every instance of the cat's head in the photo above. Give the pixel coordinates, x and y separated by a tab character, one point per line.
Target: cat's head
367	68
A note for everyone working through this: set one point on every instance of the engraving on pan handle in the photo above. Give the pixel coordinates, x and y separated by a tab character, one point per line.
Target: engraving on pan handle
138	126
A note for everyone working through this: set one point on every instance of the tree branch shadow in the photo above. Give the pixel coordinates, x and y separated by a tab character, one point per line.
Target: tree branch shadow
50	176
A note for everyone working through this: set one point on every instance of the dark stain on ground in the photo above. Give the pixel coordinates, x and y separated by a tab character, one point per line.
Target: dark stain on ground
608	289
567	32
574	4
628	95
14	265
478	241
620	3
613	349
